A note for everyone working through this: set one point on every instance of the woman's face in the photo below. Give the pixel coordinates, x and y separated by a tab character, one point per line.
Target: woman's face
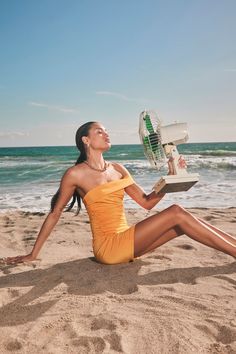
98	137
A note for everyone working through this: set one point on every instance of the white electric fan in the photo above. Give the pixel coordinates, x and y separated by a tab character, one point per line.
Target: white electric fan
159	144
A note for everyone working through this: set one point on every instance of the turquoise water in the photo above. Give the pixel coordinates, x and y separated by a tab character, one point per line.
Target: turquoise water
29	176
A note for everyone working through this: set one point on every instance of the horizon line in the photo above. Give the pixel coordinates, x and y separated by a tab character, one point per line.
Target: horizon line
42	146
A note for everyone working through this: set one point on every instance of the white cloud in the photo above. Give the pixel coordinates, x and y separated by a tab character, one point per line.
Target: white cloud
13	135
54	107
120	96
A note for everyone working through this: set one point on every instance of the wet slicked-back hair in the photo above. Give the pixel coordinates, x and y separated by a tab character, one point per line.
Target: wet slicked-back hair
82	131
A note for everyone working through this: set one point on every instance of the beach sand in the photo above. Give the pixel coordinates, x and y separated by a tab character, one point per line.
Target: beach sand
180	298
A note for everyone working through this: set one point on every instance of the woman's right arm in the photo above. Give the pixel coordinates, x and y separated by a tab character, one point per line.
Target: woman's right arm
67	187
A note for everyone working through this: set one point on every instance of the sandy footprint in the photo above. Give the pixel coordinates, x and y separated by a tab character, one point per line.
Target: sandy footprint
115	342
102	323
113	338
13	345
225	334
86	344
218	348
13	293
8	222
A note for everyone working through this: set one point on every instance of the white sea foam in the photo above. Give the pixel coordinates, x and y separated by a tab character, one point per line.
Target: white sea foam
28	182
37	196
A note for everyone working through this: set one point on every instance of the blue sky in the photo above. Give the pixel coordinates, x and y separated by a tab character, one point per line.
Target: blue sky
65	62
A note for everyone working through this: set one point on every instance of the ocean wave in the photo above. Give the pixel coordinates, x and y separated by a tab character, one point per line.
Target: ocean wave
204	193
24	163
209	163
222	153
192	163
50	170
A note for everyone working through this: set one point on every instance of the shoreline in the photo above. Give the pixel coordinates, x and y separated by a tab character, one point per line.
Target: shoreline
138	208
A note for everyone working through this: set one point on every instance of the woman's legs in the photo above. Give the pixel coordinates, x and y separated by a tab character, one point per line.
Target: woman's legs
175	221
169	235
219	231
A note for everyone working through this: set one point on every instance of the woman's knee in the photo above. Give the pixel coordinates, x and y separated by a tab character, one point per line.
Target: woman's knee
177	210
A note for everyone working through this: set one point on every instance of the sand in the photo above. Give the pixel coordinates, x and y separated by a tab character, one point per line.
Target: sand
179	298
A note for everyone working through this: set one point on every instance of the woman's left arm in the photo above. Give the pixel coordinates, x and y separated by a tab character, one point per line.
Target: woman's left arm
147	201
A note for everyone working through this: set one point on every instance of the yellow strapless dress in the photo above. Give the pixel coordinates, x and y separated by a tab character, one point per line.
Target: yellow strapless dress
113	238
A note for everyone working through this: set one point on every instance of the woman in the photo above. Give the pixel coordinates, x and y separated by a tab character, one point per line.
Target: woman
101	185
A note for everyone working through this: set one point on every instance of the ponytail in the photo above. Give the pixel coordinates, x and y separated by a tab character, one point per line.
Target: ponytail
82	131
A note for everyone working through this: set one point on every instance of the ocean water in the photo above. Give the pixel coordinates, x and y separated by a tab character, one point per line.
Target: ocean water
29	176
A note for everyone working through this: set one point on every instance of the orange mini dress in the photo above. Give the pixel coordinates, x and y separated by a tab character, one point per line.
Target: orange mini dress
113	238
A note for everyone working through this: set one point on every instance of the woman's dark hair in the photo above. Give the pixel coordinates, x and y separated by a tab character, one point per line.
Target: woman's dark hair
82	131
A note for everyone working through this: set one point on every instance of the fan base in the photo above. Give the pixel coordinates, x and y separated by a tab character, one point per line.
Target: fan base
175	183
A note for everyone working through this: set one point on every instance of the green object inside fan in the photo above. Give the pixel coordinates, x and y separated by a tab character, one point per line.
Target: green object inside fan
148	124
151	141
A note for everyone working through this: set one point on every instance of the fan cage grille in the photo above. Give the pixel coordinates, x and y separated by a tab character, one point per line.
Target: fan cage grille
152	139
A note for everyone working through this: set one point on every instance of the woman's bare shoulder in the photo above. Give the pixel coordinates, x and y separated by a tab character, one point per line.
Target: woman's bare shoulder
79	167
120	168
76	171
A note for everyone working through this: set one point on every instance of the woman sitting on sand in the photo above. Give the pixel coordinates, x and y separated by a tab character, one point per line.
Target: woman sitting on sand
101	185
